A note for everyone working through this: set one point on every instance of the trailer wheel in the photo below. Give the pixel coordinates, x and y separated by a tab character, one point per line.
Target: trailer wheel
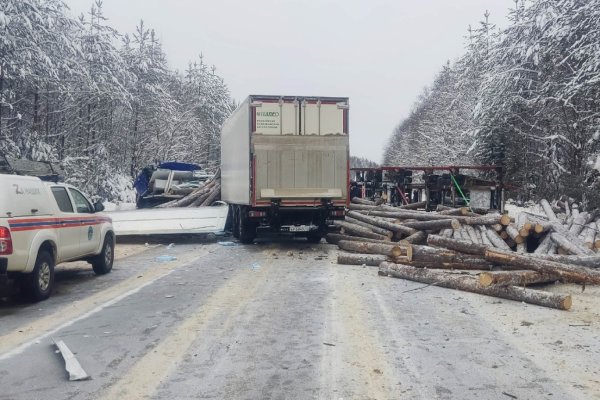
246	230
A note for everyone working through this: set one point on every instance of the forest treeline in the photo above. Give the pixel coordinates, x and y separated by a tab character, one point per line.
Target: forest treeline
76	91
526	97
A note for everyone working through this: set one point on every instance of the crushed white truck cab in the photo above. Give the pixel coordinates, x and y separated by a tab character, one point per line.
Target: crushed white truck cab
45	223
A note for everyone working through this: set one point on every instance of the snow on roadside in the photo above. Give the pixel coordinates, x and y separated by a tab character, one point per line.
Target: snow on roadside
513	209
110	206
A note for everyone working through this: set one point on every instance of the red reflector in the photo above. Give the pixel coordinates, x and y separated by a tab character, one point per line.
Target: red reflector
337	213
6	246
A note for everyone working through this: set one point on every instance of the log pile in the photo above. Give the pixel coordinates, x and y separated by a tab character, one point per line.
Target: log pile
502	255
204	195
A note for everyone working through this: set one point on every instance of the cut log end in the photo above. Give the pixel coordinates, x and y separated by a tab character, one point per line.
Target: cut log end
567	302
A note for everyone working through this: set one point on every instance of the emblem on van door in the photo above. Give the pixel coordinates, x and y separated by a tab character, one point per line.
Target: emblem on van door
18	190
90	233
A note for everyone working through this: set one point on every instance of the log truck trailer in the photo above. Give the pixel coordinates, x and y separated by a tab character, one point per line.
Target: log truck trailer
285	165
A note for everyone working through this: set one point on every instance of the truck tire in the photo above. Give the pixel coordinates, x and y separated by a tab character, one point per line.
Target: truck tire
246	230
103	262
38	285
314	237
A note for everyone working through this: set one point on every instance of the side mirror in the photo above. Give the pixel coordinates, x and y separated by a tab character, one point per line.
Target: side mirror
98	206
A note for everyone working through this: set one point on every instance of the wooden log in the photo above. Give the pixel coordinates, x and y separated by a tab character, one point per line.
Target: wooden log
214	195
521	248
190	198
548	210
505	220
334	238
382	223
413	206
358	200
470	265
567	272
597	242
472	234
457	234
372	260
376	248
584	261
569	246
471	284
498	227
462	211
482	232
496	240
434	225
426	255
544	246
373	228
417	238
447	233
457	245
515	278
579	223
589	235
513	233
357	230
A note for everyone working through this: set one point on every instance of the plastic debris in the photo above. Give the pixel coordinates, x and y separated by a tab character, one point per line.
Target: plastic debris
76	372
166	258
255	266
227	243
170	246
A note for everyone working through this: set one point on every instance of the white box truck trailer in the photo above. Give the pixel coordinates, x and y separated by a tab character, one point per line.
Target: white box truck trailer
285	165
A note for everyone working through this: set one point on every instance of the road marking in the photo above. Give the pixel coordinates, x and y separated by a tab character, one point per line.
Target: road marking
144	378
16	342
362	357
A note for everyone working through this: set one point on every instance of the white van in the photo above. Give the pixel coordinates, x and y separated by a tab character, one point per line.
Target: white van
43	224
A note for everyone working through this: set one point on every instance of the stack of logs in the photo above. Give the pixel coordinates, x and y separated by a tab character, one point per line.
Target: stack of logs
204	195
505	255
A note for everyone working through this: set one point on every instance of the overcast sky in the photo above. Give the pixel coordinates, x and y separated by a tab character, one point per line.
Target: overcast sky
379	53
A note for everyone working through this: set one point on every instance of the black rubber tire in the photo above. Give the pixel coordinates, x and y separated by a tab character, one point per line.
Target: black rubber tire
38	285
103	262
247	231
314	237
235	229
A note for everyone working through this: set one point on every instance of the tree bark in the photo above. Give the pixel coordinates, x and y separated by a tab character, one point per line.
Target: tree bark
357	230
373	228
548	210
470	284
516	278
570	246
496	240
457	245
372	260
567	272
213	196
381	223
513	233
472	234
434	225
376	248
358	200
416	238
583	261
334	238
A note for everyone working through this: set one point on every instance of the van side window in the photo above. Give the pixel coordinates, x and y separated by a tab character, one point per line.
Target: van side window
81	203
62	199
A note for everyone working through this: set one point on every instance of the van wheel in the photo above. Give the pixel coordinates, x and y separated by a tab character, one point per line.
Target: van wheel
39	283
103	262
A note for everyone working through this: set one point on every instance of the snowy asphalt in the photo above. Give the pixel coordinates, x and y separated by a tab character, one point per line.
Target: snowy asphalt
281	320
